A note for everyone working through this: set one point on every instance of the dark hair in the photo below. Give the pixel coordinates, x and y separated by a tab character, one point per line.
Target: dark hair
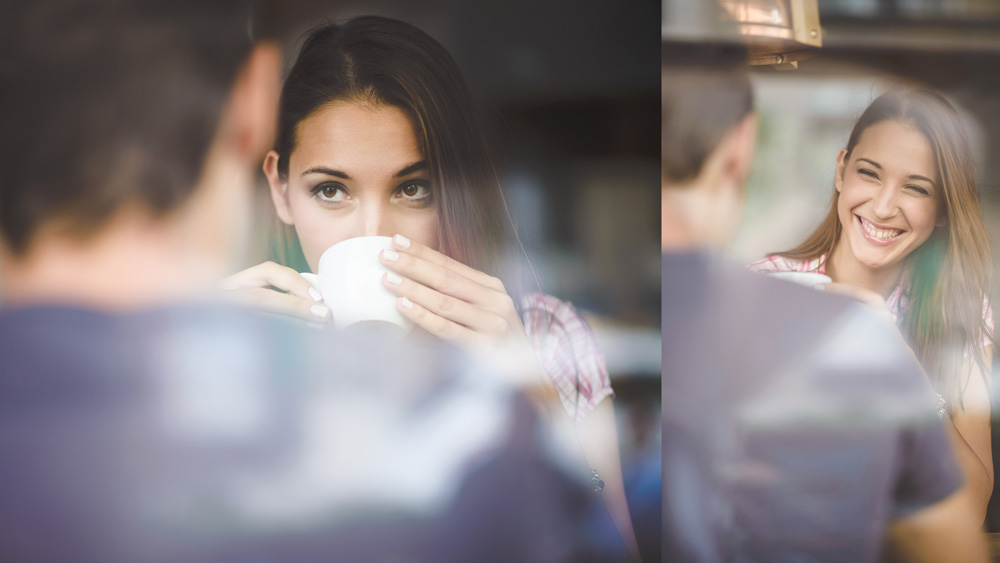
951	272
383	61
108	102
705	92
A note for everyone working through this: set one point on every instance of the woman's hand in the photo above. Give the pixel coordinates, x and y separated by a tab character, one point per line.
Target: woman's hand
866	296
447	298
294	296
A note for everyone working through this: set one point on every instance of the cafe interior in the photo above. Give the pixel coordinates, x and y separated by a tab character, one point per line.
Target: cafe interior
815	66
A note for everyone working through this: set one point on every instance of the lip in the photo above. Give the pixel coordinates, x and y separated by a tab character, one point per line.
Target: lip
875	240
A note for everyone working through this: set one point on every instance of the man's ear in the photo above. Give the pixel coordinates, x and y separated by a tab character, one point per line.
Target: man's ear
838	178
279	188
740	143
250	118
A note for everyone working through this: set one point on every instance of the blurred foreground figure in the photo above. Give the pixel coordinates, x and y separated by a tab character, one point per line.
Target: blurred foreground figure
207	434
139	420
787	436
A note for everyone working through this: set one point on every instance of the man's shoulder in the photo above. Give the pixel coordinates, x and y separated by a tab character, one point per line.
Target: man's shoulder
746	297
192	337
742	322
52	328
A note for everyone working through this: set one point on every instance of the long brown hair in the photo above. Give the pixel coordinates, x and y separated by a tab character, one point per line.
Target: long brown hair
382	61
951	273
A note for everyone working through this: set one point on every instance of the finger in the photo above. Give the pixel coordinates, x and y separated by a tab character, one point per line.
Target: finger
443	279
436	325
424	252
283	304
450	308
270	274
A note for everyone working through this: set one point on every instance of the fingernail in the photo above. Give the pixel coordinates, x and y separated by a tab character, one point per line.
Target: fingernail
315	294
406	303
390	255
402	241
392	278
320	311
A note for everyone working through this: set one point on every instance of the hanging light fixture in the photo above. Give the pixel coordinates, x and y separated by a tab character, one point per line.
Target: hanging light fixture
778	32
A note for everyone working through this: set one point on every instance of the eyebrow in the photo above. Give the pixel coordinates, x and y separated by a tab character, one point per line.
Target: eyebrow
327	171
405	171
410	169
911	176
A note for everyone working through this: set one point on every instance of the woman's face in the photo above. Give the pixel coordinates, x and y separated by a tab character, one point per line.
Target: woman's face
356	170
890	195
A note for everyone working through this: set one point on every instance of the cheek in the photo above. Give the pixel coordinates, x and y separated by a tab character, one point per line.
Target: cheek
852	195
316	236
923	217
845	207
315	229
423	228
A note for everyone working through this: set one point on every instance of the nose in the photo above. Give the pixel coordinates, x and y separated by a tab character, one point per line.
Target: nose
377	219
884	201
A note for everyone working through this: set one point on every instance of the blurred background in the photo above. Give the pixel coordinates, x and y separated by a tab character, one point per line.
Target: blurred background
569	93
815	75
868	46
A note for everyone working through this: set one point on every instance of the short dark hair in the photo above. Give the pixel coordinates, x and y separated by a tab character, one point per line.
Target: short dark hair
705	92
108	102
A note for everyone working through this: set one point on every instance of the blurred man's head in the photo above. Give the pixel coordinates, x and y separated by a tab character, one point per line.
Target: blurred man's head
126	113
708	134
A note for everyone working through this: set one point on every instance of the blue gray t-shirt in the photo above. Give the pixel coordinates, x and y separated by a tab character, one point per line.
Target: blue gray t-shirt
210	433
797	424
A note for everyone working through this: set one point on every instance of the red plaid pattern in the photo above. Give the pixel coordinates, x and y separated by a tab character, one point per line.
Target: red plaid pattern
569	353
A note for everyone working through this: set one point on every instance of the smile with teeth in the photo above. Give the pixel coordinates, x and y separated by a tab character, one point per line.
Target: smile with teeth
881	234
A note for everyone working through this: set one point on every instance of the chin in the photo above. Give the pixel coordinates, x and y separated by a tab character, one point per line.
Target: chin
874	261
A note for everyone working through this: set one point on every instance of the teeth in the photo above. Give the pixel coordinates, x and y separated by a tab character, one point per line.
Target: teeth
884	234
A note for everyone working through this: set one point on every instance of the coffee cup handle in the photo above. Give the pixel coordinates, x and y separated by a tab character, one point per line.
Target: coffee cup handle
312	279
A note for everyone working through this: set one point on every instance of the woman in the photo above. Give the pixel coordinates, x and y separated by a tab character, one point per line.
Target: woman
905	231
377	136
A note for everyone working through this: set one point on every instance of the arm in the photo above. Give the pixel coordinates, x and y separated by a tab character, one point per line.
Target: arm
598	435
969	429
947	531
458	303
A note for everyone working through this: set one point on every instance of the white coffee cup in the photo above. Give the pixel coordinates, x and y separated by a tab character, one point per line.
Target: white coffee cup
349	276
810	279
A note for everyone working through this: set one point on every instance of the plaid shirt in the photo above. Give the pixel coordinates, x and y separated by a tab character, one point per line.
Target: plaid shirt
898	300
568	351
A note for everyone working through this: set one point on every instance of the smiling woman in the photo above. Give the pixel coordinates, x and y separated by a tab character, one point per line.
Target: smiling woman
905	231
887	203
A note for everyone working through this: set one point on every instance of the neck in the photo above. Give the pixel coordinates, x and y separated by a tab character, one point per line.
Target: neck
700	214
842	268
134	261
677	234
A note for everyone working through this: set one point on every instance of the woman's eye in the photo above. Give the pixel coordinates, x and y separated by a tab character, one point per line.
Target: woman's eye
869	173
330	192
919	190
415	191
